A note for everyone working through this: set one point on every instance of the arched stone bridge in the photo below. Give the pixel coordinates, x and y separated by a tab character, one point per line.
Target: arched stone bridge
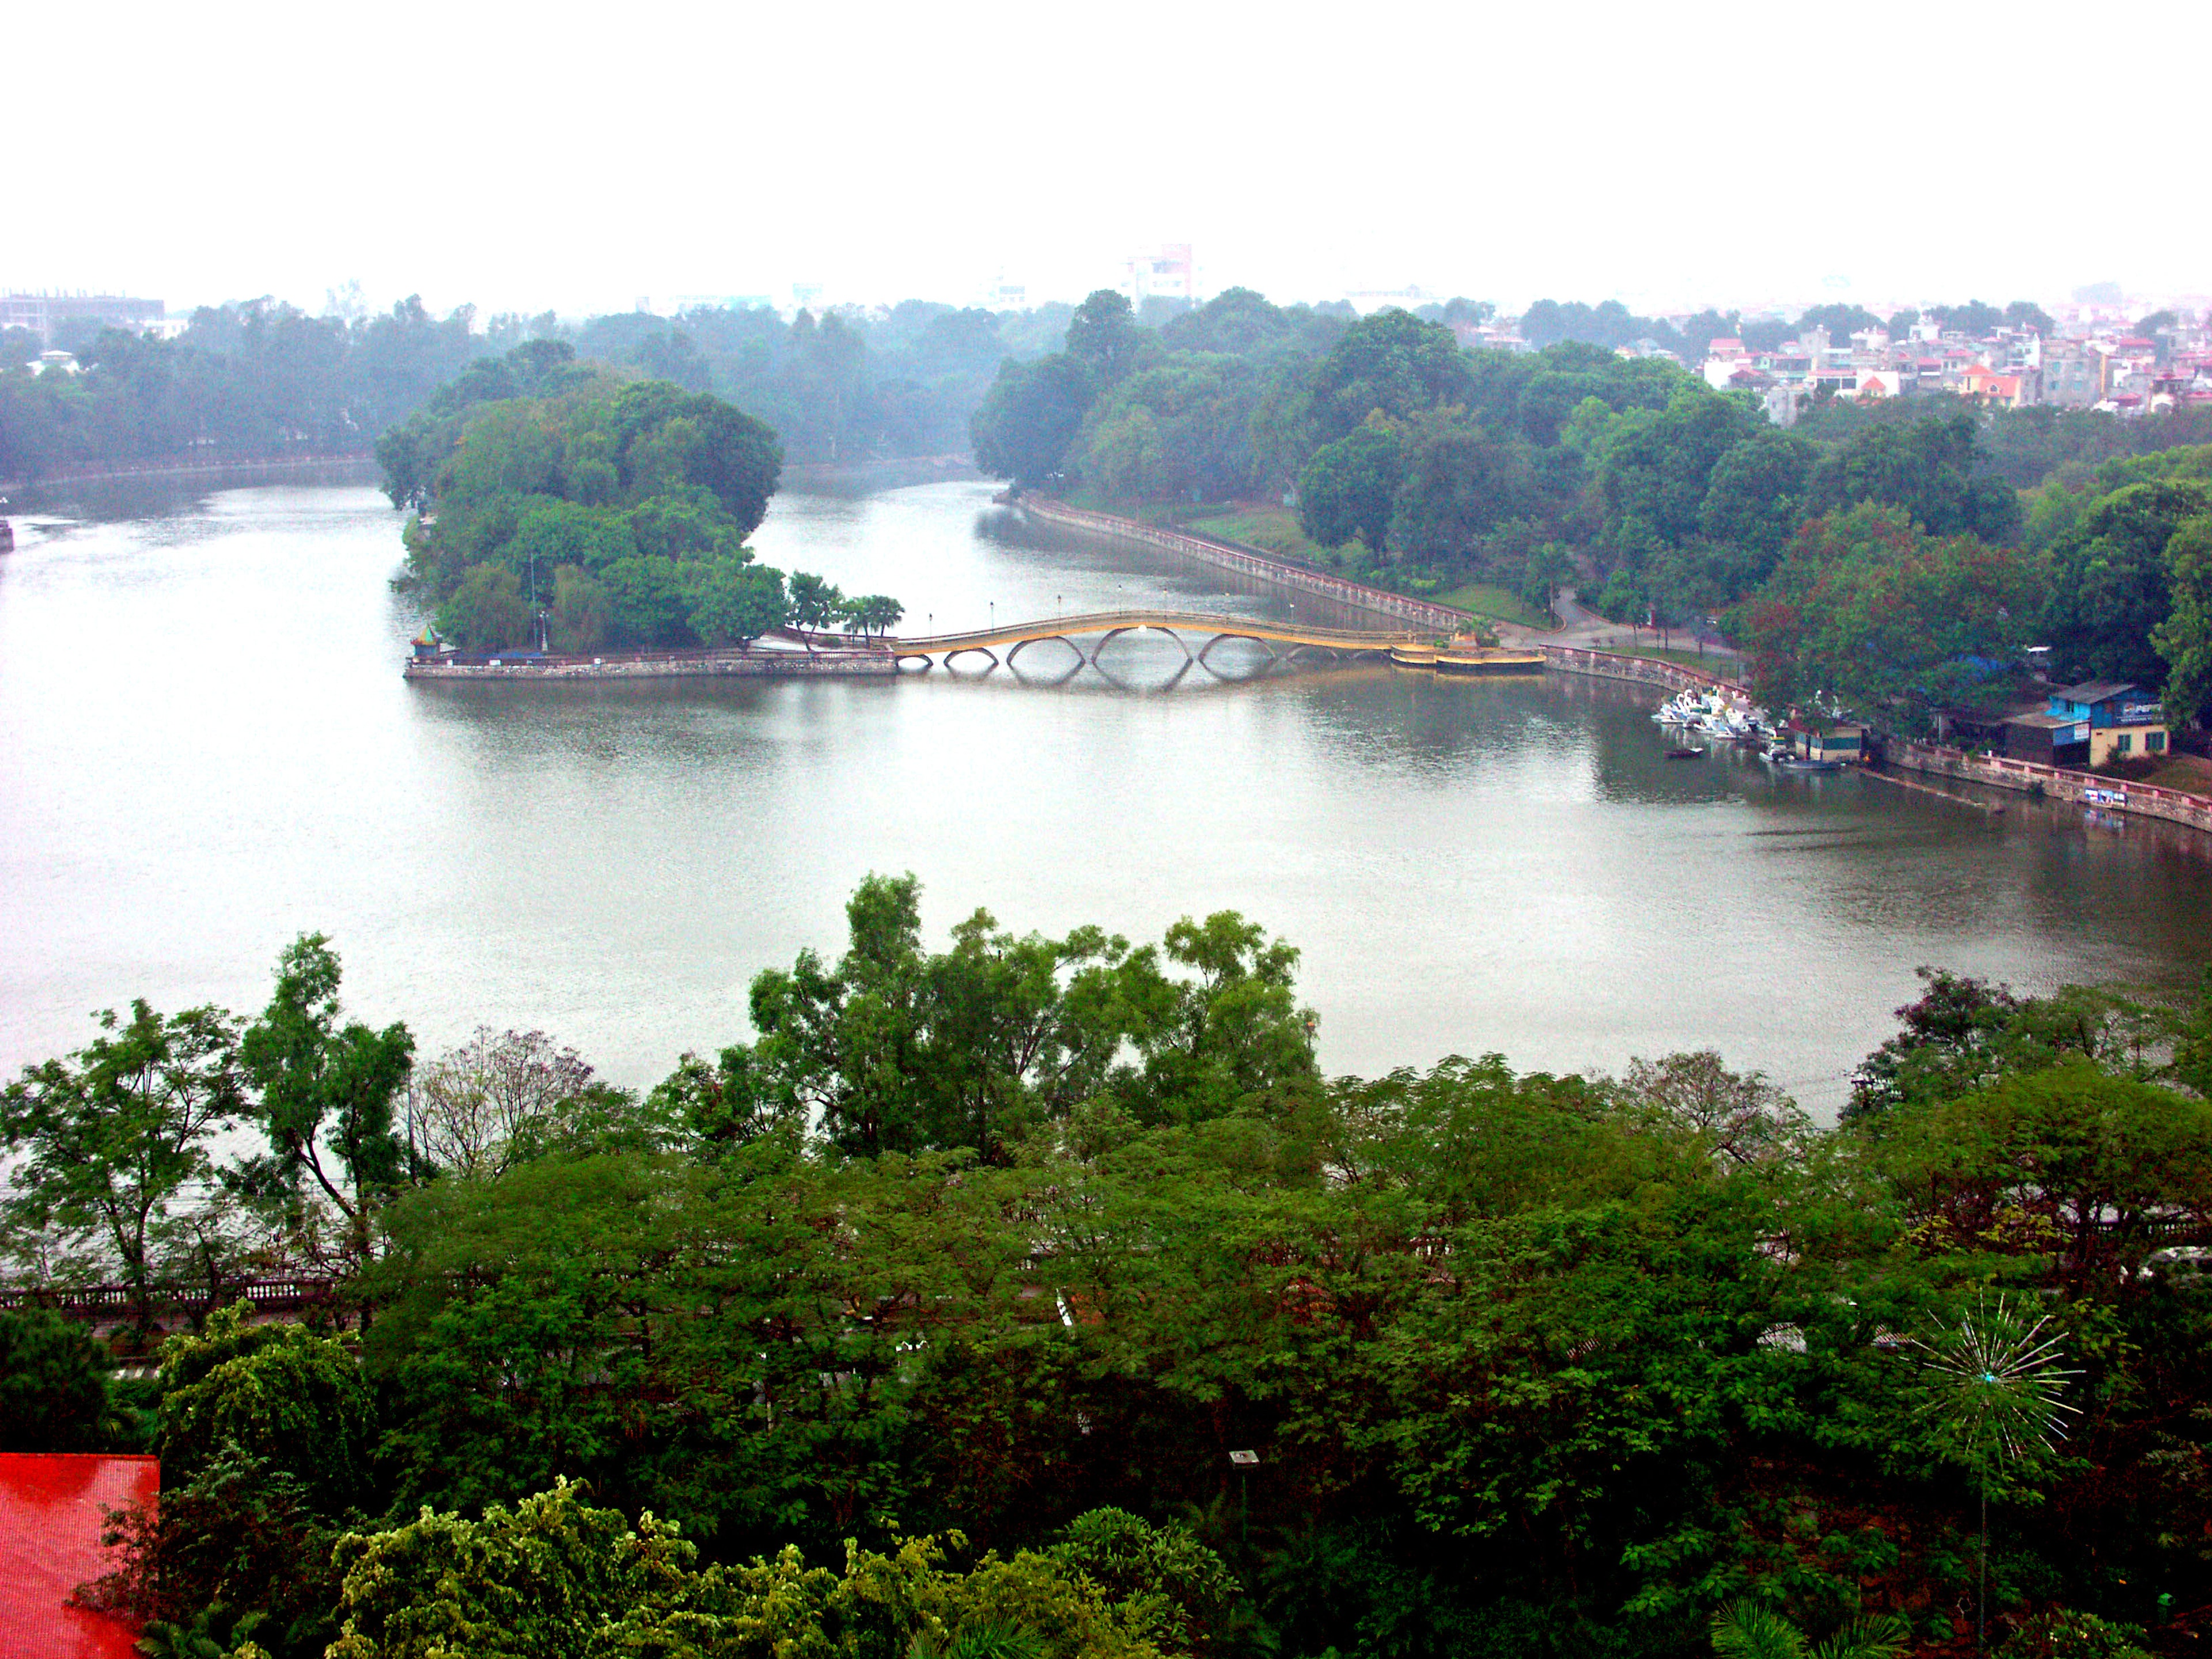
1105	626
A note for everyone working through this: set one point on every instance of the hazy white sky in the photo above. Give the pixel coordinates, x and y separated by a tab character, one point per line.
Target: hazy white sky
577	157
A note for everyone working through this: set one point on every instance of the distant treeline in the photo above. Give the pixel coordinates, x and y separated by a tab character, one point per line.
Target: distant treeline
257	379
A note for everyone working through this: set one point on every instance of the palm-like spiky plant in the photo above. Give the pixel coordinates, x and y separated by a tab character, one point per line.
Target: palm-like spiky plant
1749	1630
1993	1383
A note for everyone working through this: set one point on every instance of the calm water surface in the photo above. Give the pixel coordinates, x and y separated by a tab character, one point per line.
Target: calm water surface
206	748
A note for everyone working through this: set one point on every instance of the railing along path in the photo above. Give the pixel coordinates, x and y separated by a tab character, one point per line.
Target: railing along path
1013	637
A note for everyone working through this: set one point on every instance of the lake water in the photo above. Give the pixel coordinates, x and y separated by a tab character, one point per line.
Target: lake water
206	748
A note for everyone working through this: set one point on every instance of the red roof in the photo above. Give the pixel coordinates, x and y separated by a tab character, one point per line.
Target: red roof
50	1526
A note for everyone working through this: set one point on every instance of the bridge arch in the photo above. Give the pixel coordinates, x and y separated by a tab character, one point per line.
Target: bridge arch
1021	645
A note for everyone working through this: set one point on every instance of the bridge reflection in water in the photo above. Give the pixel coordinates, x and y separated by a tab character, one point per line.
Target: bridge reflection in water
1105	626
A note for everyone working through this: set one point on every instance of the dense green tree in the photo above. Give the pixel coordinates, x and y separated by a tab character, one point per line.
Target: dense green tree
1103	336
578	622
1962	1033
1548	569
553	1578
488	611
1392	362
814	601
1350	487
732	601
54	1395
1930	467
1755	496
1867	610
324	1094
1609	324
1182	430
2102	1167
1027	420
646	604
1973	319
279	1392
233	1559
1459	482
2111	582
109	1140
1657	467
1841	320
2184	638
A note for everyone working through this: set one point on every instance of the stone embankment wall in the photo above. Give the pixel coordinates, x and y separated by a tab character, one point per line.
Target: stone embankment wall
2107	794
665	665
1230	556
1609	665
244	466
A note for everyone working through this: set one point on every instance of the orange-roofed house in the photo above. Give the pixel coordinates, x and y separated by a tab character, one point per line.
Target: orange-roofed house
51	1518
1985	385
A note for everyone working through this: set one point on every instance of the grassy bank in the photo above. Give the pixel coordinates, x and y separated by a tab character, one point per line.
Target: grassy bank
1499	604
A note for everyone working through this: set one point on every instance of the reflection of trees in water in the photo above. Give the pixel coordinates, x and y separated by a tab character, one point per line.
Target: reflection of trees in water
159	495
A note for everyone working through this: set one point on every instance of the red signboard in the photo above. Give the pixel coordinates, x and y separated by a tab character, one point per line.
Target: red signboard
51	1519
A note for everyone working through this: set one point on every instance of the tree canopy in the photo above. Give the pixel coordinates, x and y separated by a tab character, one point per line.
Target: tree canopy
927	1317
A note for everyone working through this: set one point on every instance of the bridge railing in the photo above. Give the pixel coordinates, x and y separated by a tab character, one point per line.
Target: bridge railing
1100	621
100	1301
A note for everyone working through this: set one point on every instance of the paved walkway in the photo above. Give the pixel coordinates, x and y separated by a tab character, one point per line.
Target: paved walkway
1582	626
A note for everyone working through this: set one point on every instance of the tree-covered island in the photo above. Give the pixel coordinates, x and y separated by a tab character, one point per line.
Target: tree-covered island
941	1313
599	509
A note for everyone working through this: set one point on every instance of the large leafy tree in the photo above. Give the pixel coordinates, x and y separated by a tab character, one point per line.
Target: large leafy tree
1932	467
326	1091
1755	496
1029	417
1867	610
55	1393
1460	480
110	1139
1392	362
1180	430
2112	583
2184	638
1656	468
279	1394
734	602
1350	487
900	1050
1103	336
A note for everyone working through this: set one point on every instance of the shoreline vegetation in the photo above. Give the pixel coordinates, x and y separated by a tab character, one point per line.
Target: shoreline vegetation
1899	558
930	1314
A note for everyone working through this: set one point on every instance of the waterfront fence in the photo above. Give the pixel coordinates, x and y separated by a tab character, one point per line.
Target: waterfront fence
2054	783
1235	556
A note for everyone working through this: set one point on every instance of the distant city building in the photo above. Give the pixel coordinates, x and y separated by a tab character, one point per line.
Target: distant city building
1171	274
2078	364
44	315
1367	300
